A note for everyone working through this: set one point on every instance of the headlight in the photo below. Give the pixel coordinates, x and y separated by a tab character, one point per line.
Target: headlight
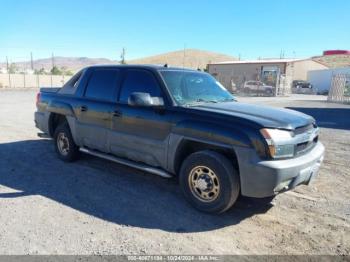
279	142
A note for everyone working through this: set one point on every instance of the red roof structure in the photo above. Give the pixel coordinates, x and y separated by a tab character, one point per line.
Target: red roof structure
336	52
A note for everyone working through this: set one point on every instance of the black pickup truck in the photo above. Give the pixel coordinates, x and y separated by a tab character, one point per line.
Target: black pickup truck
181	122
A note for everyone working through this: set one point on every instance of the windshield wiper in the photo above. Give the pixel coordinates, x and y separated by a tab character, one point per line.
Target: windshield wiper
200	101
206	101
228	100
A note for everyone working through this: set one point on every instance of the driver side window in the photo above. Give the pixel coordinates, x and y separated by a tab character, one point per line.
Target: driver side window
139	81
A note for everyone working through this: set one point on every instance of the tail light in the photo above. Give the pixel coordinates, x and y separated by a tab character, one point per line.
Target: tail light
37	99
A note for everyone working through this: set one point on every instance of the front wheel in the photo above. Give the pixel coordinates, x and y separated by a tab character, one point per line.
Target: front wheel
209	181
65	147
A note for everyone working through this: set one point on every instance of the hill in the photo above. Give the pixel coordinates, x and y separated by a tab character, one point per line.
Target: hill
191	58
333	61
71	63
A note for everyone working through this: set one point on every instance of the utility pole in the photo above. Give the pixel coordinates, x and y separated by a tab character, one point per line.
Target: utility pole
282	54
31	61
52	60
8	71
7	64
53	64
122	57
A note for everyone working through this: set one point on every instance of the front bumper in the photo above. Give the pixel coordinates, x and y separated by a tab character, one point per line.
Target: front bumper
267	178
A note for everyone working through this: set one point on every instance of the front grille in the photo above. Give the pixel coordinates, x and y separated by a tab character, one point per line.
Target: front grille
306	146
303	129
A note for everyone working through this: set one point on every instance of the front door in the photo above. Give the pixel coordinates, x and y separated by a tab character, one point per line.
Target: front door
140	133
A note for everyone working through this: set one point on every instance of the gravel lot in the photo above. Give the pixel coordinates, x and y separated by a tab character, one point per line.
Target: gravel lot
96	207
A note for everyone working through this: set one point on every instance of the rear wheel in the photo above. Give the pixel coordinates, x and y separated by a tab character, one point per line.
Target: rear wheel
209	181
65	147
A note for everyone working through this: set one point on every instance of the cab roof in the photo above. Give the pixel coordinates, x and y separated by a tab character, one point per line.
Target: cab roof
144	66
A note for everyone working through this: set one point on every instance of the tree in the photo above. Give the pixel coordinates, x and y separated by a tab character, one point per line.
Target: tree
122	57
66	71
12	68
56	71
41	71
69	73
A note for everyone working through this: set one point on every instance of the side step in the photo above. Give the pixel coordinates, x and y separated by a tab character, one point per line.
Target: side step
143	167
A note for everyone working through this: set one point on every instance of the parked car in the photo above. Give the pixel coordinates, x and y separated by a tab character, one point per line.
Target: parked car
179	122
302	87
324	92
257	87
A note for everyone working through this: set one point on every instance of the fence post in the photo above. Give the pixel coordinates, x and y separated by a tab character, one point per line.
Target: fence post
9	80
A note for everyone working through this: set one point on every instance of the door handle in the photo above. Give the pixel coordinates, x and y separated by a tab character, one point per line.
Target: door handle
117	113
83	108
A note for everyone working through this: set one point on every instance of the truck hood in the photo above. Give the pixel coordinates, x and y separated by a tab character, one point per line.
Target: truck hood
263	115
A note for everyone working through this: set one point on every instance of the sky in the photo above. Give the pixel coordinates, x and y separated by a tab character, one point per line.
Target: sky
101	28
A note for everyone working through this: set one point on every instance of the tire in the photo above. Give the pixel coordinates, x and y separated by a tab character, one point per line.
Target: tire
197	173
268	92
69	151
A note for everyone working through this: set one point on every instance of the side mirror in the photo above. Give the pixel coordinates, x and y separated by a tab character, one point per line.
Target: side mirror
144	99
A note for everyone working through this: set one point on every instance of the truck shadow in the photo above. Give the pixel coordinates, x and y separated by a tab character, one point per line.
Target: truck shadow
337	118
109	191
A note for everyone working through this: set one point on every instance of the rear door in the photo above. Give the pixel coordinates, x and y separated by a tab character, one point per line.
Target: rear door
94	111
140	133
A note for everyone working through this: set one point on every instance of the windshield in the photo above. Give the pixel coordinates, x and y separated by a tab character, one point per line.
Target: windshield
189	88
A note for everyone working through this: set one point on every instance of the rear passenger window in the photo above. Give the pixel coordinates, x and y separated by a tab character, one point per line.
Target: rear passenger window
139	81
71	86
102	85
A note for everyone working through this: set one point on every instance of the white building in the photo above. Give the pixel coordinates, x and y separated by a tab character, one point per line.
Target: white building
322	79
3	70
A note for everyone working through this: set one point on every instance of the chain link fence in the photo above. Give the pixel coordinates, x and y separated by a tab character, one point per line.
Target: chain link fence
340	88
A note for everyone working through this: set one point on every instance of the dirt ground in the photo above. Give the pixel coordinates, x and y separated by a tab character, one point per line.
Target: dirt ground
94	206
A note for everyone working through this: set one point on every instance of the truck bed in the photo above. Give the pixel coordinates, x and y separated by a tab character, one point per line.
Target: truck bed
50	89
